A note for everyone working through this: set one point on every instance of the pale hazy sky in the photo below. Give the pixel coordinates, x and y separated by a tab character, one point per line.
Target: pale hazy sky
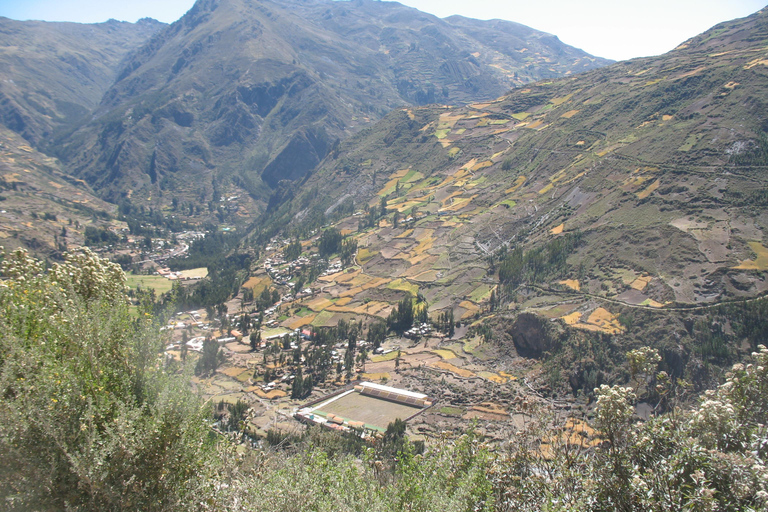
616	29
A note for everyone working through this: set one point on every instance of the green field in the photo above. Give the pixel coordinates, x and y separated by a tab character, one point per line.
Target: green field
158	283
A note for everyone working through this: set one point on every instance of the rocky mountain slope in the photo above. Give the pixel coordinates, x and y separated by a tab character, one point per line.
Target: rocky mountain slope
648	175
52	75
259	92
42	208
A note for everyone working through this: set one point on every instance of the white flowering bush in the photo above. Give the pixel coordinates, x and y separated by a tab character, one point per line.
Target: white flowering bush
88	417
615	405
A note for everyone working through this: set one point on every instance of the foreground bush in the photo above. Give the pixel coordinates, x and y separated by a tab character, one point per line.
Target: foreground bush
91	420
88	418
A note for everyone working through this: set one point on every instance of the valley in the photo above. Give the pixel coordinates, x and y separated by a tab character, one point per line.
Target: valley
266	216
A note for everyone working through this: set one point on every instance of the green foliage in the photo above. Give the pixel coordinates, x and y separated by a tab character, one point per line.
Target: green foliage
348	251
292	251
96	237
89	419
210	359
401	317
377	333
538	264
330	242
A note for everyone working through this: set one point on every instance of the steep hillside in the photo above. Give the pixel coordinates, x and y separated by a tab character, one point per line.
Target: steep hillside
258	92
657	163
52	75
42	208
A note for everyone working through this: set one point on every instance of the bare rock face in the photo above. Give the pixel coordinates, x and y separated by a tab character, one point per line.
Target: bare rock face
531	336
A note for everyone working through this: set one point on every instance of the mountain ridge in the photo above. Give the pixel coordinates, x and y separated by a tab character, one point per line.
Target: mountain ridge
296	77
55	73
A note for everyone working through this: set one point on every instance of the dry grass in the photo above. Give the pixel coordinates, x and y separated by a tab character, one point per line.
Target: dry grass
194	273
761	258
319	304
649	190
444	353
518	183
573	284
453	369
601	320
257	284
641	282
295	323
557	229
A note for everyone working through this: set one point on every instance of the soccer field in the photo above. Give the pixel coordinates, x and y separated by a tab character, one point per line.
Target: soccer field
370	410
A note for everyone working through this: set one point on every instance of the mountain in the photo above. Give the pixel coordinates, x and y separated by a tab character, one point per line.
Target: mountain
256	92
642	183
42	208
52	75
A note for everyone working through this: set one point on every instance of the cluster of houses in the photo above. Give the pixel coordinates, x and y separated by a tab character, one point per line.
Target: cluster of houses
333	268
418	331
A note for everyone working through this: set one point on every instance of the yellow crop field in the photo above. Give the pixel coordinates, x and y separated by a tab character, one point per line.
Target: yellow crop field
453	369
601	320
405	234
649	190
365	255
424	246
641	282
458	203
444	353
425	277
761	258
376	376
546	189
493	377
399	174
415	260
346	277
573	284
343	301
557	229
257	284
330	277
384	357
296	323
471	309
482	165
536	125
375	283
371	308
319	304
561	100
406	286
359	280
570	114
572	318
518	183
351	292
233	371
